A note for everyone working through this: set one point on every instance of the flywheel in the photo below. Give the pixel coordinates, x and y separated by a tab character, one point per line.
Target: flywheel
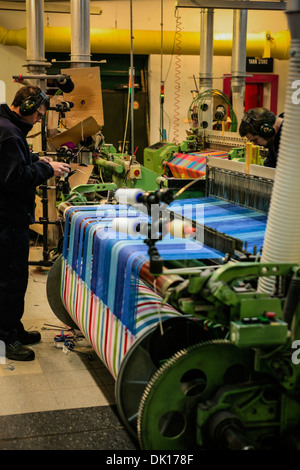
168	408
144	358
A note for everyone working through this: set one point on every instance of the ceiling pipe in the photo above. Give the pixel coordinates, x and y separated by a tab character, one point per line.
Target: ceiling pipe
35	51
206	62
206	49
238	62
80	33
117	41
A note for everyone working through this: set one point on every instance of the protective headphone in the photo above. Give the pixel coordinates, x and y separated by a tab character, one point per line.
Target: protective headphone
32	104
265	130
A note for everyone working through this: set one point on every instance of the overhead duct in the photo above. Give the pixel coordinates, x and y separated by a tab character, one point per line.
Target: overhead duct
117	41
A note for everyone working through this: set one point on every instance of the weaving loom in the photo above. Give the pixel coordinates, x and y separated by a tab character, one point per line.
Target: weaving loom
101	268
215	369
235	207
106	286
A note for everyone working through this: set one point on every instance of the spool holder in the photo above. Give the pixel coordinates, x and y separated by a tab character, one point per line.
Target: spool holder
160	196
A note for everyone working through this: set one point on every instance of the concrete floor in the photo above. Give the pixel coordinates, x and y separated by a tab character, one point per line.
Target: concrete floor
55	382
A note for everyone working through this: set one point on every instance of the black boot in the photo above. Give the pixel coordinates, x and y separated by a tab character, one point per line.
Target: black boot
17	352
29	337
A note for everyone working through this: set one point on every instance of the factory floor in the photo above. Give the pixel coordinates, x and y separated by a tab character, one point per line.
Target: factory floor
61	400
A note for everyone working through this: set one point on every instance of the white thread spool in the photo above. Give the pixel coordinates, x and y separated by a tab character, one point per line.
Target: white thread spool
126	225
128	196
180	229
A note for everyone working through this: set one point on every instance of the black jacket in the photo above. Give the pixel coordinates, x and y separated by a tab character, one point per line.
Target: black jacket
20	171
271	159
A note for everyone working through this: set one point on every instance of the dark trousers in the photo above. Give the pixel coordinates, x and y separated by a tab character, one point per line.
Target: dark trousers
14	251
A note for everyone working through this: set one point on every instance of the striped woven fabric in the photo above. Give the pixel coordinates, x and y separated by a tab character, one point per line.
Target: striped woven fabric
236	221
100	284
108	336
110	262
191	165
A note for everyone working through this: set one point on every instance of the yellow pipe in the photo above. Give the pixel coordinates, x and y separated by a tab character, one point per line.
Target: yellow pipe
117	41
13	37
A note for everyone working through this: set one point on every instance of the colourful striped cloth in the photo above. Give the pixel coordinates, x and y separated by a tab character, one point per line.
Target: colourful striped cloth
106	333
192	165
236	221
110	262
100	284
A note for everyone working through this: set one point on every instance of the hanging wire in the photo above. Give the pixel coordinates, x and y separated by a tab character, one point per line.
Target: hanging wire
130	98
127	117
177	76
131	85
161	129
165	80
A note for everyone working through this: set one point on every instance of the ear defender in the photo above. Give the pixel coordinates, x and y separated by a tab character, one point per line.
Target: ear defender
32	104
265	130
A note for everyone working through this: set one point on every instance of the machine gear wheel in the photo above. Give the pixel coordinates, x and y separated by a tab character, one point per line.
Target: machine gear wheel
168	408
145	357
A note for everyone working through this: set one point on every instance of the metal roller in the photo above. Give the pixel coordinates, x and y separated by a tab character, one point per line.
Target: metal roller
53	294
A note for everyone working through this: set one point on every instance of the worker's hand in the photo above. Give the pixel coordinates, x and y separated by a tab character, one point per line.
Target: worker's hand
46	159
60	168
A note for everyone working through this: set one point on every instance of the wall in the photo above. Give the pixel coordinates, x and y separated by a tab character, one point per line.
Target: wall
147	16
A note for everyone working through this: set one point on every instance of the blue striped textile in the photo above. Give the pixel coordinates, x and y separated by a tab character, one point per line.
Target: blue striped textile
233	220
109	263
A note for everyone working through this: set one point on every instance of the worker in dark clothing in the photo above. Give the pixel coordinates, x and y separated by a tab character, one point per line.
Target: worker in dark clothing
20	174
262	127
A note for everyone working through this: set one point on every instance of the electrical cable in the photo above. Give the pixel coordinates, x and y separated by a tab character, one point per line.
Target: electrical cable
130	98
131	86
126	123
161	130
177	77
